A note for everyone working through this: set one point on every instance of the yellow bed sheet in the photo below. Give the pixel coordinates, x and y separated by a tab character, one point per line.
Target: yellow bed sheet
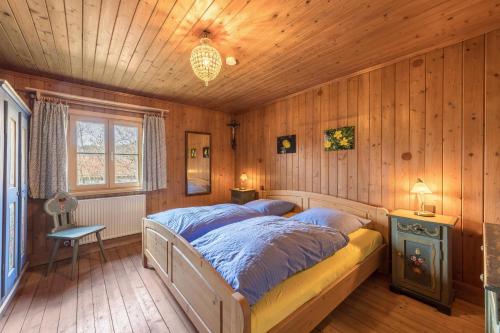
290	294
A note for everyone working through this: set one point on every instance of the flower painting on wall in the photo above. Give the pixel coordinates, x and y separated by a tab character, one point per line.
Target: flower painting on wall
339	138
286	144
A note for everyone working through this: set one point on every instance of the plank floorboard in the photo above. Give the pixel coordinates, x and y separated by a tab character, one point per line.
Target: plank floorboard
67	318
50	319
121	296
102	312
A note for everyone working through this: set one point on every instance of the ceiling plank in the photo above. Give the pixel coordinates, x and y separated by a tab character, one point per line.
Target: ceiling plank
7	50
74	22
122	27
107	19
57	19
40	19
141	62
91	14
138	44
15	35
24	22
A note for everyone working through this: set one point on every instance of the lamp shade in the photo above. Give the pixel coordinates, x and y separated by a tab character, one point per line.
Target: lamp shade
420	187
243	177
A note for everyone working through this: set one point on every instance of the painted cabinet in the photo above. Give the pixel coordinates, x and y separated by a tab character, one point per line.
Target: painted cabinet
421	257
14	186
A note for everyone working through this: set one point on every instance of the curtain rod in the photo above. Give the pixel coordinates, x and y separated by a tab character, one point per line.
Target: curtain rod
89	101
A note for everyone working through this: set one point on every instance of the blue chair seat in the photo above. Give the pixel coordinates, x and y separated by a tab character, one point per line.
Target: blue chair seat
76	233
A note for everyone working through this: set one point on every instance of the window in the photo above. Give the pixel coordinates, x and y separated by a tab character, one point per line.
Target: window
104	152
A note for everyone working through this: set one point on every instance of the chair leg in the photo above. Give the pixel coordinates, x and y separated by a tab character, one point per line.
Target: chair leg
101	246
53	255
75	257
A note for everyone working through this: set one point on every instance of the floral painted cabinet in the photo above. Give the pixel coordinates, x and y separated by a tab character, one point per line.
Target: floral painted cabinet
421	257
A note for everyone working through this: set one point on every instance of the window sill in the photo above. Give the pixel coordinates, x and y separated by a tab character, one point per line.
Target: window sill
106	193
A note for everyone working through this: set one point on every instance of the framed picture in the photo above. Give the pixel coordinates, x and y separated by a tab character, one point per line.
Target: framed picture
286	144
193	153
339	138
206	152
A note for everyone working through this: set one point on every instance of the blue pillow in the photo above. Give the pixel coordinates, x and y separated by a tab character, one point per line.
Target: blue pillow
271	207
344	222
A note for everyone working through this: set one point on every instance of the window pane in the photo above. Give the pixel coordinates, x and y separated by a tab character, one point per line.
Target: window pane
91	169
90	137
126	139
126	169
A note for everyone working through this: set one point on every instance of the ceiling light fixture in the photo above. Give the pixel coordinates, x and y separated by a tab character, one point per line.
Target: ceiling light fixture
205	60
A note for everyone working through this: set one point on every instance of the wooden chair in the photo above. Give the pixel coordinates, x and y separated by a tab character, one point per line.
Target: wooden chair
62	208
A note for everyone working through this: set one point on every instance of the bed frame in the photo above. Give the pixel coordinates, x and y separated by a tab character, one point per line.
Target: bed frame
210	302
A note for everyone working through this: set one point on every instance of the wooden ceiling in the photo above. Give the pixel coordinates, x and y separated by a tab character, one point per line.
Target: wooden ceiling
283	46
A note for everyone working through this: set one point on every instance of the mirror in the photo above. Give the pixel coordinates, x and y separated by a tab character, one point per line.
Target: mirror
198	165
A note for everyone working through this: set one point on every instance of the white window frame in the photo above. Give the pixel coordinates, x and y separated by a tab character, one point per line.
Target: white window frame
109	120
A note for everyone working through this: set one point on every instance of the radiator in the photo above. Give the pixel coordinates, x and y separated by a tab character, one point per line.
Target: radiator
121	215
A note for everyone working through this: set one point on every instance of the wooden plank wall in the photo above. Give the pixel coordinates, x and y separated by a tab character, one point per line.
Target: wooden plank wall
180	118
434	116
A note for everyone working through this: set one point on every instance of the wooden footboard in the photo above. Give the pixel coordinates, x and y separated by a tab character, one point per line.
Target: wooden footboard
207	299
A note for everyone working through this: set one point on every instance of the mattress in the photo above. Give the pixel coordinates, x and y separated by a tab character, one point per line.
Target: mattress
290	294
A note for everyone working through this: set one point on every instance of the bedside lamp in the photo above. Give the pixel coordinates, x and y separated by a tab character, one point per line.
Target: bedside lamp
421	190
243	179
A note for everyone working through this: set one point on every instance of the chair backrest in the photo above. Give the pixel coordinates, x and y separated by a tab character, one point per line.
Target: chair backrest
62	208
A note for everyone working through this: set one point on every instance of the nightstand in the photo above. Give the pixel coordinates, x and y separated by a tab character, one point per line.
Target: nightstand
239	196
422	257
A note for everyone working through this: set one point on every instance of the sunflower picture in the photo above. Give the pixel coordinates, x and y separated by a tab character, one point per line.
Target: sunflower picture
339	138
286	144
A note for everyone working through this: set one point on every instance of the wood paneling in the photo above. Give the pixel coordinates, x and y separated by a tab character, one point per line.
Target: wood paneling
180	119
433	116
143	46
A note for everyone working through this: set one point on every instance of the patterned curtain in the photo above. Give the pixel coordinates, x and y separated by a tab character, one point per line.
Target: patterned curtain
48	151
154	158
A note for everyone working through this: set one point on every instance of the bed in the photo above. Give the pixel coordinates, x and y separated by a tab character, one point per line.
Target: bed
213	306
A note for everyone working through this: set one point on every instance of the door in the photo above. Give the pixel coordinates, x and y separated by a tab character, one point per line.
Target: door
23	189
11	208
418	268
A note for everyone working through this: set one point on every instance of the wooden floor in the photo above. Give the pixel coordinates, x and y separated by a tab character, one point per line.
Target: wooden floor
121	296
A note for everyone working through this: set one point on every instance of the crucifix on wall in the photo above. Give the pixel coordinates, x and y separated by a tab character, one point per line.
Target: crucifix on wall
234	125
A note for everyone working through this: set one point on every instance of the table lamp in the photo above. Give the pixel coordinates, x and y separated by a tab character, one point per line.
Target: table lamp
243	179
421	190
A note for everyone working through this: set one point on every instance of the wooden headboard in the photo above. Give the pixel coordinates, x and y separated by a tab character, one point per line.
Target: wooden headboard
306	200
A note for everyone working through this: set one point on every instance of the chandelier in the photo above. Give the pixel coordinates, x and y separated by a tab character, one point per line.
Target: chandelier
205	60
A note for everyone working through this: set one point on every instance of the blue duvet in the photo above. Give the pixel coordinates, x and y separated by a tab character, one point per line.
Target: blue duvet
256	254
193	222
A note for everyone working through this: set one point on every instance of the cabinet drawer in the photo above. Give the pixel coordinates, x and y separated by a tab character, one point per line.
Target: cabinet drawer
417	228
